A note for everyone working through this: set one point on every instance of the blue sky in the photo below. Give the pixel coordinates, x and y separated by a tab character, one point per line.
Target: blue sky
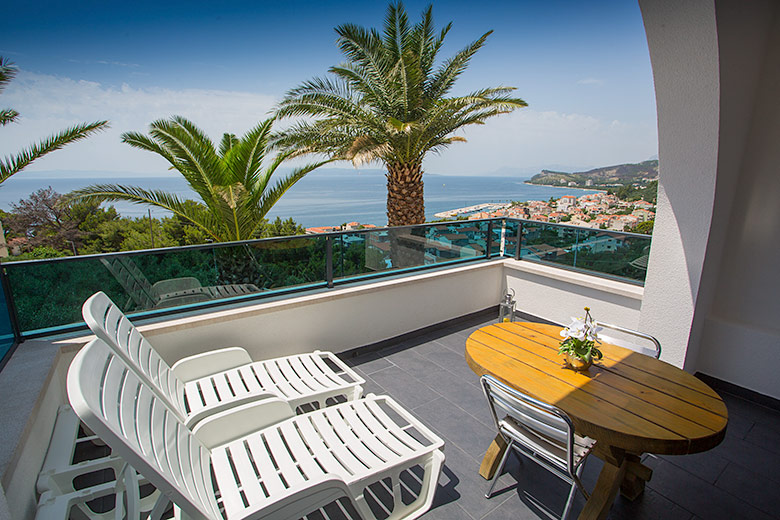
583	67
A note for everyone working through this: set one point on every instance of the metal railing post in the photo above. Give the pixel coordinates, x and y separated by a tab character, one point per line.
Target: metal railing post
518	251
576	246
329	261
489	240
12	315
10	304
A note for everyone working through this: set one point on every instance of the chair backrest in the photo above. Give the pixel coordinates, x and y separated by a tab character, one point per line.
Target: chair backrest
109	324
142	429
133	280
653	348
549	426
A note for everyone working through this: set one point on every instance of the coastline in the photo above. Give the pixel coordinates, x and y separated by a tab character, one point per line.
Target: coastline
566	187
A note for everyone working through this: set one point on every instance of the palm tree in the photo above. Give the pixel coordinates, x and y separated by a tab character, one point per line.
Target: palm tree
16	163
389	103
234	190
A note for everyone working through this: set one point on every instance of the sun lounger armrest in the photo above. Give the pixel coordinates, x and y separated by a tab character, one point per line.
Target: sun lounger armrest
173	285
202	365
306	500
223	427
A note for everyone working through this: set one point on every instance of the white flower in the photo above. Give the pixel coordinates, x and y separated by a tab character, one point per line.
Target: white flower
583	329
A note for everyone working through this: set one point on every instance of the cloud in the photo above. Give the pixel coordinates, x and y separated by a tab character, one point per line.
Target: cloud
104	62
590	81
48	104
529	137
519	140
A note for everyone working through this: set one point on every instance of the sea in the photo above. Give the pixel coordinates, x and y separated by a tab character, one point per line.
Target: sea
322	198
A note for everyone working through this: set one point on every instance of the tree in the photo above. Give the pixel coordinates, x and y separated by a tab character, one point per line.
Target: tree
233	187
44	220
389	103
645	227
16	163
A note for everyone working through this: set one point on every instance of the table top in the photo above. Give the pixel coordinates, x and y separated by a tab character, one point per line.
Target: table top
626	400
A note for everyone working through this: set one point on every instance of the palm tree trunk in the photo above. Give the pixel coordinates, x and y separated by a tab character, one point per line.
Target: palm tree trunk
405	197
405	207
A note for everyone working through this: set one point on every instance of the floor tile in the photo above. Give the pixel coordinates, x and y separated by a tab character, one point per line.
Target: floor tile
404	388
429	375
698	496
746	485
458	427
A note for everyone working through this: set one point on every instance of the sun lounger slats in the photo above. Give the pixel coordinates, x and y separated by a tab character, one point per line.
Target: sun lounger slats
286	470
302	379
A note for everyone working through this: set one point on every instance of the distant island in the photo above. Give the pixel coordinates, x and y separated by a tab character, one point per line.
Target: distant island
637	174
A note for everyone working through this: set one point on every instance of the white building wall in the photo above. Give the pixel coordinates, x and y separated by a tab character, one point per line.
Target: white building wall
740	340
712	275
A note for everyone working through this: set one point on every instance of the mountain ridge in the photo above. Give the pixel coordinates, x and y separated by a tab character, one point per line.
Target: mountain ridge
606	176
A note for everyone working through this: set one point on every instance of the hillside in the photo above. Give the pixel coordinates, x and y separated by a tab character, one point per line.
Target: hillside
607	176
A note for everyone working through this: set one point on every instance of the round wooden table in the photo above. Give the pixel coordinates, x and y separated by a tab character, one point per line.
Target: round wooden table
630	403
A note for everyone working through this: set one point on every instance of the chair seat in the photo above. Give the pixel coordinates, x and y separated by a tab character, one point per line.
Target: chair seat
354	441
550	450
299	379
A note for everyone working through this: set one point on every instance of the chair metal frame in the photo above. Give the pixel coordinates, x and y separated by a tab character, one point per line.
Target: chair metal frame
543	419
631	332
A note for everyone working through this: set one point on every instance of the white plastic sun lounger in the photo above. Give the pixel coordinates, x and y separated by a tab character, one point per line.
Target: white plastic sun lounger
65	483
204	384
259	460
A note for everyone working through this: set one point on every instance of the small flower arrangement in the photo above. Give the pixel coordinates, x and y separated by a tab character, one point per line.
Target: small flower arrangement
581	339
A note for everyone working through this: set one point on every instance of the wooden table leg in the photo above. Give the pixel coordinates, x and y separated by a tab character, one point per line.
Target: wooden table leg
637	474
492	457
600	501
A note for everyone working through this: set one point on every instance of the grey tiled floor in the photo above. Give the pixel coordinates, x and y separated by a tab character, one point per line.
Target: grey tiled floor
428	374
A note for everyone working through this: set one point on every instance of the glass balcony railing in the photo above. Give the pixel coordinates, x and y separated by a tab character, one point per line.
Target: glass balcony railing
45	296
612	253
7	336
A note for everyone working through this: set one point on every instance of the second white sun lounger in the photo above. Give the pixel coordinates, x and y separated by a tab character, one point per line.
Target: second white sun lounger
204	384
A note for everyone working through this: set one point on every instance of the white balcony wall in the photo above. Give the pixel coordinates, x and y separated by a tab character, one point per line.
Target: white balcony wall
557	294
28	421
337	319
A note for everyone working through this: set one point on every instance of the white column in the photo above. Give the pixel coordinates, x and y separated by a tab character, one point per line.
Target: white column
682	39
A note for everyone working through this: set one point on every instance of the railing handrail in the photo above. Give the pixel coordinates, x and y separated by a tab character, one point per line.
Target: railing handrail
215	245
560	224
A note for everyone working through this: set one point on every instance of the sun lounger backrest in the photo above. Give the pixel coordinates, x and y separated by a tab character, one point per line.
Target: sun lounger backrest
118	332
133	280
140	427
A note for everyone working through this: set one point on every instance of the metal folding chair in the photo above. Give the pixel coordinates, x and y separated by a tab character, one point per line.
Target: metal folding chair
539	431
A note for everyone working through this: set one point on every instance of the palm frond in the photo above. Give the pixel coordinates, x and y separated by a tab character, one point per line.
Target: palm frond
7	72
228	141
272	196
444	78
8	115
196	213
246	158
15	163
